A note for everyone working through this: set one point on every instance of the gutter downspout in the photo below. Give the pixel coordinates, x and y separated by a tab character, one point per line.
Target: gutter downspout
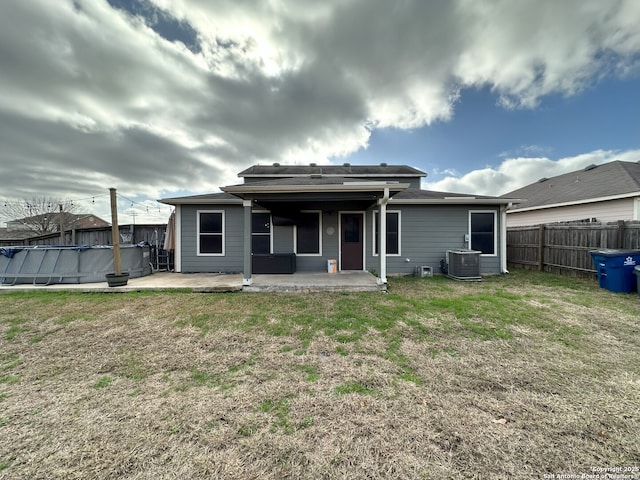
503	237
382	239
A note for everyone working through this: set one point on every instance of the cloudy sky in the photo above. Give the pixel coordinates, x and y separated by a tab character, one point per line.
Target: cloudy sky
161	98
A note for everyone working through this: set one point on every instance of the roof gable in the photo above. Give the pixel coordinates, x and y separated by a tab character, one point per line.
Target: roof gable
591	183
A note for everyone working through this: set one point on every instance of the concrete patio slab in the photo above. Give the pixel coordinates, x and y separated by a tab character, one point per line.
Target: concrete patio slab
196	282
221	282
316	281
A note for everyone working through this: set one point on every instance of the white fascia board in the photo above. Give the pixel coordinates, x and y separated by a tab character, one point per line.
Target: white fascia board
450	201
576	202
201	201
346	187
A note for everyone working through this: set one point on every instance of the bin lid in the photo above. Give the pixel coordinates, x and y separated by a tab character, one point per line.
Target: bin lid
614	252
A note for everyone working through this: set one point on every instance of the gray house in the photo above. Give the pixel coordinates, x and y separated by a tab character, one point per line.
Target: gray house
286	218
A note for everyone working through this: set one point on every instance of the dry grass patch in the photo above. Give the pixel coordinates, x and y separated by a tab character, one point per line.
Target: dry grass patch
516	376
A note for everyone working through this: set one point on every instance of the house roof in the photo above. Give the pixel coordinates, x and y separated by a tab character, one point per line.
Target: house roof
594	183
418	196
325	182
213	198
346	170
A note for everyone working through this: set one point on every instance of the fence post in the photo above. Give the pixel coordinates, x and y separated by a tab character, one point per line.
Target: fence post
541	247
620	236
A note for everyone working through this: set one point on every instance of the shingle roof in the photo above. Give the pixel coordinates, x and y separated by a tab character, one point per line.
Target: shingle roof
346	170
593	182
306	180
204	198
417	194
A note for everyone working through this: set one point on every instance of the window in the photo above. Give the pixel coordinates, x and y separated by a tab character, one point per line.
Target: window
261	232
393	232
308	234
482	229
210	232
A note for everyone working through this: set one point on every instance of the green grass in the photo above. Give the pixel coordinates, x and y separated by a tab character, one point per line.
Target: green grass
9	361
9	379
133	366
312	372
355	387
279	410
103	382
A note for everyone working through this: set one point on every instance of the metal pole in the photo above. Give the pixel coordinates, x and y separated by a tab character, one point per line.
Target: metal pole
61	220
115	233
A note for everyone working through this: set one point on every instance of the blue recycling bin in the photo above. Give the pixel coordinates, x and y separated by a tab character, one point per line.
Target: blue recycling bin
615	269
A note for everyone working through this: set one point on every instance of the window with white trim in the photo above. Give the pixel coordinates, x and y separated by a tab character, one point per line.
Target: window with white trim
393	232
308	233
210	225
261	232
483	231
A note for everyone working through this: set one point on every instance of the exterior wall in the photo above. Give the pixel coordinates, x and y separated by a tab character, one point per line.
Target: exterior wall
232	261
609	211
427	232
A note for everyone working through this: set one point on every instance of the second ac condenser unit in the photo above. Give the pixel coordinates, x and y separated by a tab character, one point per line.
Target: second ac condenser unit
464	264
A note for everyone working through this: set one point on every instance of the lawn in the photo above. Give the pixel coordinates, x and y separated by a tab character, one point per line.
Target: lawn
524	375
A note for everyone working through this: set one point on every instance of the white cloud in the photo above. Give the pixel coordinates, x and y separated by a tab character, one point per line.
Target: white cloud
514	173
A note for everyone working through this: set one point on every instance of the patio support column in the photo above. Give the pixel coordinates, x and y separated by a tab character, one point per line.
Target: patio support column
503	238
382	238
246	275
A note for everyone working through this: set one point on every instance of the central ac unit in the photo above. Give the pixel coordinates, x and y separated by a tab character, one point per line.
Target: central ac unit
463	264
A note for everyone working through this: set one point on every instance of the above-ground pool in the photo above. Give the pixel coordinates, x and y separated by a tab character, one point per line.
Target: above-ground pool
46	265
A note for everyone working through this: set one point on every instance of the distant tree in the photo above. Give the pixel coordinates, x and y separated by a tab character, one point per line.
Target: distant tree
40	215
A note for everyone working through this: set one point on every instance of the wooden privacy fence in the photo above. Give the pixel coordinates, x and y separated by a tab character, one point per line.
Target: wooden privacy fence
564	248
129	234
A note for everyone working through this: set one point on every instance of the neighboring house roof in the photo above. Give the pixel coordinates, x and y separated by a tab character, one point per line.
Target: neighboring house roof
594	183
82	220
14	235
346	170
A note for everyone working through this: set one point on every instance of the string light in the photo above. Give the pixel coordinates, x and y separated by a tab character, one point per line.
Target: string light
91	203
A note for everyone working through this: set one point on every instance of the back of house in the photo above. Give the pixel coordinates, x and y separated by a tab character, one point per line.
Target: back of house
288	218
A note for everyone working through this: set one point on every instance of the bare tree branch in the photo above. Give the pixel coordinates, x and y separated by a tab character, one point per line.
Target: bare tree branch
39	215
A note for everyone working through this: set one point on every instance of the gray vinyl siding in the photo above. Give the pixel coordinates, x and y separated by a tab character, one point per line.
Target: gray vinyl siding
427	232
232	261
